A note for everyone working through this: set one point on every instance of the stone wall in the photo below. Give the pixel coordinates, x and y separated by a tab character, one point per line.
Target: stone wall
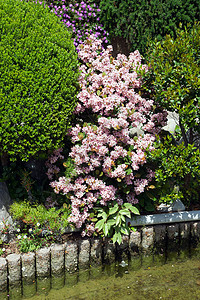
81	254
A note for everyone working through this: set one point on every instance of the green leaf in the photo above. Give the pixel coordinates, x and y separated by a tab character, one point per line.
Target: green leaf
128	171
134	210
125	212
123	218
128	205
114	209
119	238
124	230
104	216
94	219
111	222
99	224
115	237
118	220
106	229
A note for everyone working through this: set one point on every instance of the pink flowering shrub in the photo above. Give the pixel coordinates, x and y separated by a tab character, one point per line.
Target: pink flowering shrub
110	163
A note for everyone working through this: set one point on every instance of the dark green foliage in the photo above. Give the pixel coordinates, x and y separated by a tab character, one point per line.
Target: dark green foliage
174	80
38	82
177	165
144	20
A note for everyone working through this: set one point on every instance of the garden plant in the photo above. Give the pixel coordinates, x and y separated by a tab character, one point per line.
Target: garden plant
114	127
174	82
140	22
97	118
38	83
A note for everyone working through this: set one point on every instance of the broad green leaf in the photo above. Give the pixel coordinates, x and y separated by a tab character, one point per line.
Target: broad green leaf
94	219
99	224
118	220
113	209
125	212
111	222
115	237
100	214
128	205
119	238
135	210
105	229
124	230
104	216
123	218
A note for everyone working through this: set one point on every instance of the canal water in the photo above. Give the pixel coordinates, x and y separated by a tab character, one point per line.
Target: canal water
175	277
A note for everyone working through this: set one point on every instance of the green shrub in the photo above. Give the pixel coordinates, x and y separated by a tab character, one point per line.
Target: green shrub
176	166
38	83
175	85
39	216
141	21
174	78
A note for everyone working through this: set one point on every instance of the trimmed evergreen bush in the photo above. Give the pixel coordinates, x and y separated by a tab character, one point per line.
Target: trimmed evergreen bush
143	20
38	82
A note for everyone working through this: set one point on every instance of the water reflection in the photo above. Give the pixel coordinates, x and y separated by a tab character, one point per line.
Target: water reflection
164	275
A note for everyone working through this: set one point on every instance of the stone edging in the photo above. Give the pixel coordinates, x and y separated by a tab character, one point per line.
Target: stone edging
80	253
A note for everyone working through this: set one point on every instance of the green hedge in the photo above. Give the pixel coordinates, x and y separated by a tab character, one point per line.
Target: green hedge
38	82
142	20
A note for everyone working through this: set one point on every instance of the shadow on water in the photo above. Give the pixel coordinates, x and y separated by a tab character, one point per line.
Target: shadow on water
171	273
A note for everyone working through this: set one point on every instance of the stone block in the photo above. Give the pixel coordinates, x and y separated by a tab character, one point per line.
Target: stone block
178	205
57	259
160	240
14	268
195	237
71	256
84	254
96	252
29	289
108	251
43	286
43	262
160	233
173	232
122	250
147	239
3	274
184	230
5	202
195	230
57	281
135	242
173	242
28	266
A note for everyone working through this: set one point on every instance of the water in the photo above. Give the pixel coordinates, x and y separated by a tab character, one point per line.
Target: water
144	277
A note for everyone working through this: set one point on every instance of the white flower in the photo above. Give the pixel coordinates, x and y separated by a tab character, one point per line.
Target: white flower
18	230
3	249
25	236
19	237
30	230
38	224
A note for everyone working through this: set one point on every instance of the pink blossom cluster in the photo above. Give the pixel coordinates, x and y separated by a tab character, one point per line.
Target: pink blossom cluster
103	148
50	163
86	192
